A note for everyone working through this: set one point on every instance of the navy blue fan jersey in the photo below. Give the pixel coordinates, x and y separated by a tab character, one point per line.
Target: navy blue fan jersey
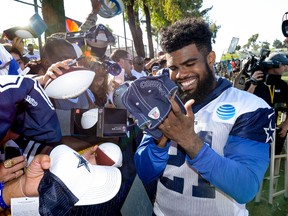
236	128
25	109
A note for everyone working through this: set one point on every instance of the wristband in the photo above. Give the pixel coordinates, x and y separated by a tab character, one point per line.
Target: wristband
253	81
3	205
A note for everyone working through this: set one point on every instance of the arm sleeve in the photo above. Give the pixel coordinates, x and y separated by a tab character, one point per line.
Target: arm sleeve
240	172
150	160
27	110
89	22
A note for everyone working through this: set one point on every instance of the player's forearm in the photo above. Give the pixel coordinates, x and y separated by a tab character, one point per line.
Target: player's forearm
236	174
150	160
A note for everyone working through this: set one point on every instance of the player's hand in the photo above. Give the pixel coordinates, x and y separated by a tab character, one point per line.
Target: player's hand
180	128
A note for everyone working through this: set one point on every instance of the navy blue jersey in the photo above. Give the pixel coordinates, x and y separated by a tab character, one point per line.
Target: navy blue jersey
25	109
236	128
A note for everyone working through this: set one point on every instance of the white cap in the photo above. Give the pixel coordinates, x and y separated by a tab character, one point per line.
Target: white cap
91	184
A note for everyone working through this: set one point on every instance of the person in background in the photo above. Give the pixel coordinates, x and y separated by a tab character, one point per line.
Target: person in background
146	60
57	50
154	70
31	55
212	159
124	59
16	55
26	185
138	67
268	85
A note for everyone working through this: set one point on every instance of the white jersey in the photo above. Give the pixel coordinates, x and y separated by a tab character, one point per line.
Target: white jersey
181	190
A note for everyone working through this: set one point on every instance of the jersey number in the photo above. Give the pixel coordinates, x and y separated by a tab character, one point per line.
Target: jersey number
203	189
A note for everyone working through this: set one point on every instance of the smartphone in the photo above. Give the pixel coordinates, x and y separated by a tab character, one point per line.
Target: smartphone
11	152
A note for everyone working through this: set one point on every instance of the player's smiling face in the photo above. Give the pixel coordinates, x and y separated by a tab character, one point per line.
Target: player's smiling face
192	72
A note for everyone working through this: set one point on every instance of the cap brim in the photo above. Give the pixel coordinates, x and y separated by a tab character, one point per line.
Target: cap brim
105	185
91	184
285	62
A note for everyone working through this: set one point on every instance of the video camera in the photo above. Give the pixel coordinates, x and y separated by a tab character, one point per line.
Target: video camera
255	64
109	66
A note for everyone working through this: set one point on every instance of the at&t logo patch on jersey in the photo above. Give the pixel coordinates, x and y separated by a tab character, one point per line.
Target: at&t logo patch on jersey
224	112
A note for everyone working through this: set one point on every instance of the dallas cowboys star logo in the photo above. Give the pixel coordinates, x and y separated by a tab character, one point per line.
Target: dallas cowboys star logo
82	162
269	132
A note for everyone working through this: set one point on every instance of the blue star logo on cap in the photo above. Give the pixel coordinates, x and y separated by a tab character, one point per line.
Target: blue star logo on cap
226	111
82	162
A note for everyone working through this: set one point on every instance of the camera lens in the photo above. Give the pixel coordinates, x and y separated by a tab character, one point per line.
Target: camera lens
113	68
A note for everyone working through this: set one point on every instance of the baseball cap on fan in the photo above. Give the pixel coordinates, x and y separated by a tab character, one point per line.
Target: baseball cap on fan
98	38
278	57
72	180
147	99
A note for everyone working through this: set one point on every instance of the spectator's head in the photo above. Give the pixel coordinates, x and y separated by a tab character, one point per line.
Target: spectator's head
123	58
56	49
16	55
98	38
277	59
8	65
138	63
30	48
155	69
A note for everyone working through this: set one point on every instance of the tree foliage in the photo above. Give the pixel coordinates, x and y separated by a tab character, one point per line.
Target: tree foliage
254	45
54	16
157	13
161	13
278	44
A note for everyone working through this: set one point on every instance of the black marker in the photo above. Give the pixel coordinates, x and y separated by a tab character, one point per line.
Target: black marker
75	60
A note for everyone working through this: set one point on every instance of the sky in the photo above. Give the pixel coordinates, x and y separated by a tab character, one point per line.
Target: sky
240	19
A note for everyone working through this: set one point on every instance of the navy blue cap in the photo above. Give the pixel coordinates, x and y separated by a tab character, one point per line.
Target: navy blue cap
147	99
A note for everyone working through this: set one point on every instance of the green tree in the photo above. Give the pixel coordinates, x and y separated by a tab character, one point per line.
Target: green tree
159	14
265	45
54	15
132	11
278	44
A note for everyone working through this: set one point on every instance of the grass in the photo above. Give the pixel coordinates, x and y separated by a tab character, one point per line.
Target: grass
279	205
